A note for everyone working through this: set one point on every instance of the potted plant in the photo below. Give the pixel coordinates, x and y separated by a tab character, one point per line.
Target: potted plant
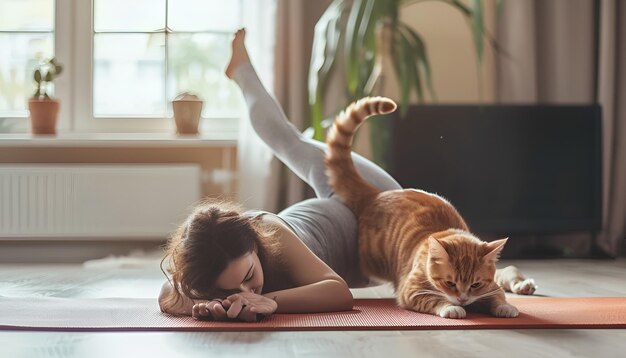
187	109
43	108
367	35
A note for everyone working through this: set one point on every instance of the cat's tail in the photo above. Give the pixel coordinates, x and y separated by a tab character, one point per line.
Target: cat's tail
353	190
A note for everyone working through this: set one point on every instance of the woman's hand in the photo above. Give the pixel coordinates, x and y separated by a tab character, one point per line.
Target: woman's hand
242	306
210	310
246	306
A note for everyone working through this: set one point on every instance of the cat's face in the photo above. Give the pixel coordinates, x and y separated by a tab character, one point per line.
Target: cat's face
462	268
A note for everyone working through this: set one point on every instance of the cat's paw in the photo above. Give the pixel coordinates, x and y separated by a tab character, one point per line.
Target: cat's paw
526	287
506	311
453	312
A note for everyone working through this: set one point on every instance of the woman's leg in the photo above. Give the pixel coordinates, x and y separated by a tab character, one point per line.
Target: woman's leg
302	155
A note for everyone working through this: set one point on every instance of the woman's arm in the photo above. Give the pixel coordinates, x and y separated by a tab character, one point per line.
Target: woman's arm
323	296
319	288
182	307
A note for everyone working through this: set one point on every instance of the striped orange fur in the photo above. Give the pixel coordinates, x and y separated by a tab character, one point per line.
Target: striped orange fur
414	239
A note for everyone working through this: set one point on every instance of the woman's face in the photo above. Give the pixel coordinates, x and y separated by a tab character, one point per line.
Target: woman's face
243	274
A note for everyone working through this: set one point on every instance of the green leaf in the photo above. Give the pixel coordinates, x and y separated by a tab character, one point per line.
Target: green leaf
325	43
498	7
401	68
404	69
422	58
317	116
367	31
374	14
368	20
351	47
478	28
496	46
365	48
464	9
413	58
475	17
37	76
478	32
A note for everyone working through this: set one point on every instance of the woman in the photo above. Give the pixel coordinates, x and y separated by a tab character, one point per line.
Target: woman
228	264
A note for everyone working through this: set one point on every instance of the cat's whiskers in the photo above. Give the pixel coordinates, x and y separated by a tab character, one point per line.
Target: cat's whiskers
487	294
426	292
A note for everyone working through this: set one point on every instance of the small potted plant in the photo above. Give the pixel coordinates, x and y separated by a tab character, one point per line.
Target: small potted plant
187	112
43	108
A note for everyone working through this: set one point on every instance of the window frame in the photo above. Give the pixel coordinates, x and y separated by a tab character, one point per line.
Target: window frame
62	31
73	46
85	121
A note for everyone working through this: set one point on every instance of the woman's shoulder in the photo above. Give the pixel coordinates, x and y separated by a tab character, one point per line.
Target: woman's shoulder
256	213
270	219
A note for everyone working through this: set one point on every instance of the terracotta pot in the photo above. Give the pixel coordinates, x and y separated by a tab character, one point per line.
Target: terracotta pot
187	111
43	115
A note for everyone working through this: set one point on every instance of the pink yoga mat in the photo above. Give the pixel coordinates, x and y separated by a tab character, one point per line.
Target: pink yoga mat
120	314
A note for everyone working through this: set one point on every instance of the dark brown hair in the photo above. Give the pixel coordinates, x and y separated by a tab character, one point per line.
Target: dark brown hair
211	237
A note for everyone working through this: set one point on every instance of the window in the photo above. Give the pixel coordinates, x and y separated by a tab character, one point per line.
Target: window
124	61
26	37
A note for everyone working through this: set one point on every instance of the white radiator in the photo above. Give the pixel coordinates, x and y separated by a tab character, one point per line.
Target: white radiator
95	201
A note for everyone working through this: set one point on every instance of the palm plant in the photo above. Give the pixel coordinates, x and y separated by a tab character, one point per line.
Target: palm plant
348	32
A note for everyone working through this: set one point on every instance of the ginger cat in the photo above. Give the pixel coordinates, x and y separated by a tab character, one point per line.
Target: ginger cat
418	240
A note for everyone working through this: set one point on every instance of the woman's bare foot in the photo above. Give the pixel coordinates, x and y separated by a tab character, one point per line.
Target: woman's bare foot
240	54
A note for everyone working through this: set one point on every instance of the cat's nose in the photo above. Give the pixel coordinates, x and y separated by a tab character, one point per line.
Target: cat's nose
462	300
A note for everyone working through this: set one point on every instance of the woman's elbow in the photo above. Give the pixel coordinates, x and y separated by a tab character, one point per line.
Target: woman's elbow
165	298
162	306
346	300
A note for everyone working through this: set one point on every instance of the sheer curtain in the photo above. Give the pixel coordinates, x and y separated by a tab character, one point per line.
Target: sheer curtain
573	51
256	168
612	95
264	183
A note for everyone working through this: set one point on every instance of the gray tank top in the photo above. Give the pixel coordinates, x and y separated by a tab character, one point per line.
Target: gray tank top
329	229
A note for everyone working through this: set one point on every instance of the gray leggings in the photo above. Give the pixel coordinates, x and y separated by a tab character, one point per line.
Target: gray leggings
302	155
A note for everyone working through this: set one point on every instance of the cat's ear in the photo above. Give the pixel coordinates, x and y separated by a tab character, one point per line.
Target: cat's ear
493	250
436	251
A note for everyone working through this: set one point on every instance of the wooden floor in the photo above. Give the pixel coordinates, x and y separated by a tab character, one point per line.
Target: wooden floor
141	277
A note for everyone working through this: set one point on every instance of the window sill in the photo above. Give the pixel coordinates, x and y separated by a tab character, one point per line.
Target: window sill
118	140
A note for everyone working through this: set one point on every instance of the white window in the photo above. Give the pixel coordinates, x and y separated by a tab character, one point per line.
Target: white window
125	60
26	37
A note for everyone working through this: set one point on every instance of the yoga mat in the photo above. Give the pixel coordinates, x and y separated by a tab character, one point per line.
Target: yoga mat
119	314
